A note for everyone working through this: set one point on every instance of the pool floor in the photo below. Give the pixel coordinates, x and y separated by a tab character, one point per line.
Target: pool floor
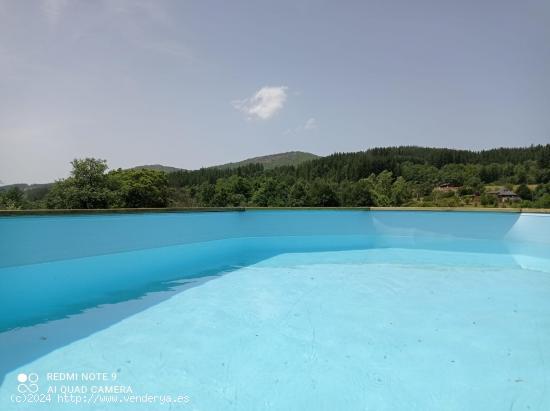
379	329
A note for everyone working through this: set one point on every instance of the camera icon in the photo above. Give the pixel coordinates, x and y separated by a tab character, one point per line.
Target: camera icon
27	383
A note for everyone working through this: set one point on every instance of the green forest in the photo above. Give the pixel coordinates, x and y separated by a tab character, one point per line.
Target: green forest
392	176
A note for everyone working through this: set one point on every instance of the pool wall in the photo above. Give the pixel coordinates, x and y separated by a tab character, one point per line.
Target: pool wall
49	263
31	240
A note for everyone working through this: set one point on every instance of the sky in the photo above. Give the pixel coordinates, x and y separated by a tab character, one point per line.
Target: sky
198	83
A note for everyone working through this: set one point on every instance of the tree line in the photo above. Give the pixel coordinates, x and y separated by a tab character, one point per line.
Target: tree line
393	176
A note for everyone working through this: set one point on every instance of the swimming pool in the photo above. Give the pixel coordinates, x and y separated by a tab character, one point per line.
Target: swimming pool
280	310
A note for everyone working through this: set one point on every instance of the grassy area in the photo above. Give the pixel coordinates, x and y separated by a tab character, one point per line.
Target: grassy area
269	162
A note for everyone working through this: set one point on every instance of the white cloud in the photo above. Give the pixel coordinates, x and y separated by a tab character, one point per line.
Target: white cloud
311	124
264	104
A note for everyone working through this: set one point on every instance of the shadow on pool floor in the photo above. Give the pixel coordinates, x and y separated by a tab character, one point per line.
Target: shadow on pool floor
23	345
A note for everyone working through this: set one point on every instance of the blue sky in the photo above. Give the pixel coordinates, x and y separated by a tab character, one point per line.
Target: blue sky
197	83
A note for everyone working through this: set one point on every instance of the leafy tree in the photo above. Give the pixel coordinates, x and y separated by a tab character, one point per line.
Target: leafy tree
36	195
183	197
400	192
490	173
422	178
232	191
270	193
345	193
380	187
472	185
384	182
524	192
452	174
358	194
205	194
363	193
323	194
137	188
12	199
86	188
544	156
520	174
298	194
62	195
543	201
488	200
89	172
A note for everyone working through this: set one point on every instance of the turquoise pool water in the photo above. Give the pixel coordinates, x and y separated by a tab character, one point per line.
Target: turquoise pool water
276	310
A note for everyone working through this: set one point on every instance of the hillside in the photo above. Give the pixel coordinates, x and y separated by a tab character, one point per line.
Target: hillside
390	176
26	187
291	158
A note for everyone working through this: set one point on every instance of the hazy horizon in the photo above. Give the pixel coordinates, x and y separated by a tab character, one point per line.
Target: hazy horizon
199	84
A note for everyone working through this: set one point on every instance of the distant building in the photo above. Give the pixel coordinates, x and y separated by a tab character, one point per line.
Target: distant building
505	195
447	187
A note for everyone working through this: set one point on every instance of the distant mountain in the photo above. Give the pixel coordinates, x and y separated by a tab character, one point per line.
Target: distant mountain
26	187
290	158
159	167
271	161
